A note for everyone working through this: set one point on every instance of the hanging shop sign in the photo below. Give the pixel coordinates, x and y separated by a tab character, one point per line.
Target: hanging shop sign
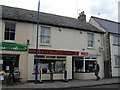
90	54
53	52
13	47
101	48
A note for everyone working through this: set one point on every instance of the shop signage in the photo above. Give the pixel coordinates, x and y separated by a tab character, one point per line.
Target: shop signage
89	54
53	52
13	47
101	48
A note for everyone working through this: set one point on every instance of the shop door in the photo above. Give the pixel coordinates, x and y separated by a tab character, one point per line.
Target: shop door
9	60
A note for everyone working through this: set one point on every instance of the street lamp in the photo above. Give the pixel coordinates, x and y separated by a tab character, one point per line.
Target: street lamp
36	70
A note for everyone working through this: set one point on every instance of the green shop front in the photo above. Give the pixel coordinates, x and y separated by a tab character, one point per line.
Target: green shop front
14	57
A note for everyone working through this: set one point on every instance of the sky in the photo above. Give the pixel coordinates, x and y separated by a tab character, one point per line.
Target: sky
107	9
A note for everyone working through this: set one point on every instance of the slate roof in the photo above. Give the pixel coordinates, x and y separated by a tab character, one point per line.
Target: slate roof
108	25
18	14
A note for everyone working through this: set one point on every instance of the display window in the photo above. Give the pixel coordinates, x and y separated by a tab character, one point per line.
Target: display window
84	64
89	66
47	64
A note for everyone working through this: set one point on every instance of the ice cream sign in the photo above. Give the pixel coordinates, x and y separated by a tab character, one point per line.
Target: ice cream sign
13	47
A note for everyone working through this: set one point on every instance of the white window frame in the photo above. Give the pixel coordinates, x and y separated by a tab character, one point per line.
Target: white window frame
5	31
92	46
117	61
116	40
49	36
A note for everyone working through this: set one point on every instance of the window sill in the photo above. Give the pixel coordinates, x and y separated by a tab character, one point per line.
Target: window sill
117	67
91	48
9	41
116	45
42	44
84	72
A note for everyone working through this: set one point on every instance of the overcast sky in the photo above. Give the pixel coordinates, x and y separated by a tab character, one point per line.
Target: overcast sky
107	9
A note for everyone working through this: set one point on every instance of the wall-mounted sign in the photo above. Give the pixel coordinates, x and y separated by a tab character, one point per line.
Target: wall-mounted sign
13	47
101	48
53	52
90	54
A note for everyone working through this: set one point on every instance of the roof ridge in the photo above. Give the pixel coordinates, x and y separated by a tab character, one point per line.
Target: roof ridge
105	19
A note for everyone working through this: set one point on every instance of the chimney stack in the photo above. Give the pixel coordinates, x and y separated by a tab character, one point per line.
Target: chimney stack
82	16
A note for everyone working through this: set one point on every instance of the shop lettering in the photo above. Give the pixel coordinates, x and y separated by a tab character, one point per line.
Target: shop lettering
13	47
90	54
53	52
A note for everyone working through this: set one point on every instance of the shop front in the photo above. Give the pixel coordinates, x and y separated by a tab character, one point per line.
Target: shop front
50	61
83	65
13	56
79	65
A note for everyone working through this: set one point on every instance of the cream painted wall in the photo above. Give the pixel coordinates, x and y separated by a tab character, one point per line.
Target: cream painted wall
84	76
66	39
69	67
21	33
30	66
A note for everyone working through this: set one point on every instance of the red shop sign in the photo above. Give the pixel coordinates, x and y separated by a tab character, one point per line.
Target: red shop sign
90	54
53	52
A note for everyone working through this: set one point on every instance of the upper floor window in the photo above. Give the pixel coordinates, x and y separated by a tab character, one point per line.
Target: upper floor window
116	40
9	33
45	35
117	61
90	37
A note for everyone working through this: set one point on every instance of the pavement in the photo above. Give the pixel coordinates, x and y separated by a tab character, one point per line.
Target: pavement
61	84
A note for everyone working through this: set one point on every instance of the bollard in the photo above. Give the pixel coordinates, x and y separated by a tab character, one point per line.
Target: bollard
51	76
65	76
41	76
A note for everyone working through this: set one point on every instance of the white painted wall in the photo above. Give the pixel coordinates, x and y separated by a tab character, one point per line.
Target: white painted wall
114	51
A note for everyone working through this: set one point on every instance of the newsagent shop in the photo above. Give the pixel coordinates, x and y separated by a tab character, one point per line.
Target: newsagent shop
14	57
79	65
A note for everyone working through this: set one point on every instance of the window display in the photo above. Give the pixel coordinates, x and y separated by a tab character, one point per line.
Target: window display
84	64
79	66
89	66
55	66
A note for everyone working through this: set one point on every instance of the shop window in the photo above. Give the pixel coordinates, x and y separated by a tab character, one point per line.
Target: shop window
84	64
9	60
45	35
50	57
61	57
51	65
40	56
78	66
9	33
89	66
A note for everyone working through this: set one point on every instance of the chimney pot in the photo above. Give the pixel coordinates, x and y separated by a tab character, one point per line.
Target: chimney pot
82	16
